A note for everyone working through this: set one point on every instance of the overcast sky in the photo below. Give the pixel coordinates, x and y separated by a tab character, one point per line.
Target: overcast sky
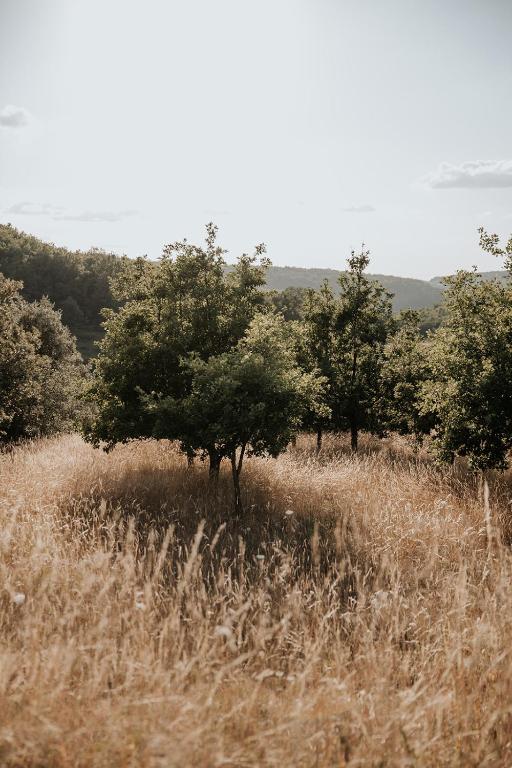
311	125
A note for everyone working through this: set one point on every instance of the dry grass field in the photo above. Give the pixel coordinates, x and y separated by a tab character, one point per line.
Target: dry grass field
360	613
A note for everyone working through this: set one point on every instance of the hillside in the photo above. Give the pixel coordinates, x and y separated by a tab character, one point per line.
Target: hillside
407	292
495	275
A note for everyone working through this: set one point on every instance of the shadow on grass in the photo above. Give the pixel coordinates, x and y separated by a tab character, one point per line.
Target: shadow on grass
149	489
146	502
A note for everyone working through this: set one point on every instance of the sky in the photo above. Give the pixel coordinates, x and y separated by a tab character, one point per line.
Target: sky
310	125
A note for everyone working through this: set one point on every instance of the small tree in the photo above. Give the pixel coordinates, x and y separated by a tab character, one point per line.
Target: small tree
185	305
470	395
320	352
363	322
248	401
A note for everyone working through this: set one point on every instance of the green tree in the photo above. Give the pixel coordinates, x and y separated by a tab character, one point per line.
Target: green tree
491	244
289	303
405	368
470	394
185	304
76	282
364	319
344	340
320	352
40	369
431	318
247	401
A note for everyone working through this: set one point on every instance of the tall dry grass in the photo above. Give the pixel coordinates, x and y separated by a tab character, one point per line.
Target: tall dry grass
359	613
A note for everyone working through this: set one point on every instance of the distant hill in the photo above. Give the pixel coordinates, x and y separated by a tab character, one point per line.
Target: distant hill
496	275
407	292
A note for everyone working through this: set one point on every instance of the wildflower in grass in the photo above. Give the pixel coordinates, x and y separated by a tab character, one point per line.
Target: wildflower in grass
18	598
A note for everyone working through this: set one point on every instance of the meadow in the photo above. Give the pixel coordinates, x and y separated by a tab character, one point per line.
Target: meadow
358	613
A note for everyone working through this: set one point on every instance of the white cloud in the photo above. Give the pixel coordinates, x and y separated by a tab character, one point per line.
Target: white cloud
101	216
58	213
26	208
472	174
14	117
359	209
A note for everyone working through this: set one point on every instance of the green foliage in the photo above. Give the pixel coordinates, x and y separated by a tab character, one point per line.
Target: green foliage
405	369
364	321
197	350
40	369
344	341
319	352
470	393
251	398
491	244
186	304
190	356
430	318
290	303
76	282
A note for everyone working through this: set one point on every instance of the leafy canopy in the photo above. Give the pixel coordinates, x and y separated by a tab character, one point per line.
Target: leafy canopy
184	305
345	340
40	370
469	395
405	368
251	397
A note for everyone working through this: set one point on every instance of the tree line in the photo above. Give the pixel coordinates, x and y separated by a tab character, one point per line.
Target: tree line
78	284
198	354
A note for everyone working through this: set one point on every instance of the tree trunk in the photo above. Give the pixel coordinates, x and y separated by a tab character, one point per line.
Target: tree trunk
354	434
213	470
353	420
236	468
319	440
